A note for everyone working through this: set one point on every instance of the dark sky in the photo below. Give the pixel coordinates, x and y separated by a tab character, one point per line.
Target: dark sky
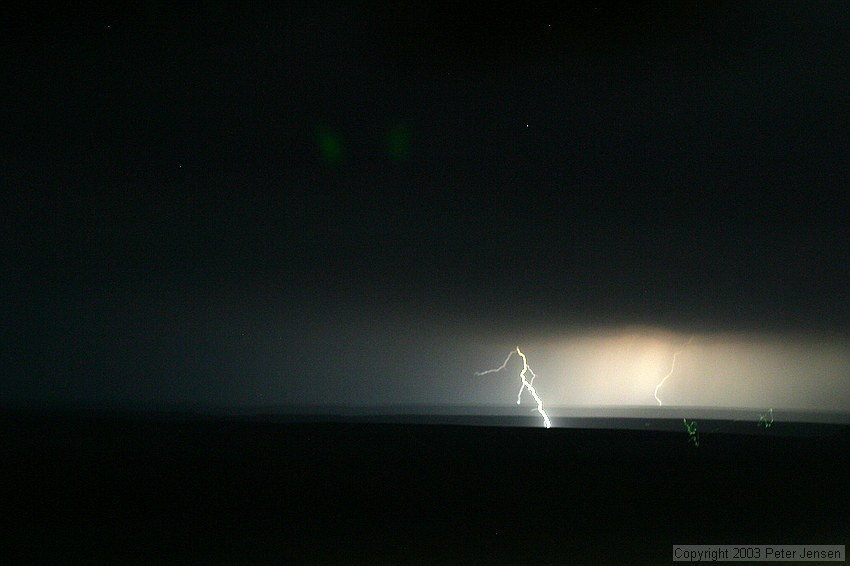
248	204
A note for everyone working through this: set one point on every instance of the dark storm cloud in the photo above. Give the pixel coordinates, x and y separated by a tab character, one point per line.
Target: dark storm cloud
176	233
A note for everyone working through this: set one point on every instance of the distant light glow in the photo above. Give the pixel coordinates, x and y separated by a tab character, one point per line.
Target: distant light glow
330	145
397	142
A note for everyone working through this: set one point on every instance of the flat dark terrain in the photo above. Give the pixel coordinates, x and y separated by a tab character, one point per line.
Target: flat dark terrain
144	488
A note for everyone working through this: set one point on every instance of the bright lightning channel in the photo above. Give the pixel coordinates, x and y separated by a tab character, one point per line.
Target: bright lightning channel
526	384
672	369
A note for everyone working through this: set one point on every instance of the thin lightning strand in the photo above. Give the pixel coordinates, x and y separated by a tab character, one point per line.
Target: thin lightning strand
526	384
672	369
500	368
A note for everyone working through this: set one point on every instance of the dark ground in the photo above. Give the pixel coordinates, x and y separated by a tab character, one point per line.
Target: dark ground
141	488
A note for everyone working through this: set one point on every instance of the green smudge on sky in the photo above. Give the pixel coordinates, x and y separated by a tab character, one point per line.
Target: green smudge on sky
330	146
397	143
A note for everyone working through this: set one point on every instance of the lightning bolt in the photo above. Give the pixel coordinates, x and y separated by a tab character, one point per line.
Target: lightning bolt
672	369
526	383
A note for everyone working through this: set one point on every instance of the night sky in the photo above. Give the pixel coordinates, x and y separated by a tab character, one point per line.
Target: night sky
363	203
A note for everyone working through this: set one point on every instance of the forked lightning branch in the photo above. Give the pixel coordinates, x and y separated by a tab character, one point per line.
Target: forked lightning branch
765	420
526	383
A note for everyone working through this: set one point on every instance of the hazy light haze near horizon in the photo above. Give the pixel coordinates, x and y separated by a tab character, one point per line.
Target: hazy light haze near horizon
364	203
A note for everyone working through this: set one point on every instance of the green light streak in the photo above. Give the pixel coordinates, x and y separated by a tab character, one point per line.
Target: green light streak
693	435
766	419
